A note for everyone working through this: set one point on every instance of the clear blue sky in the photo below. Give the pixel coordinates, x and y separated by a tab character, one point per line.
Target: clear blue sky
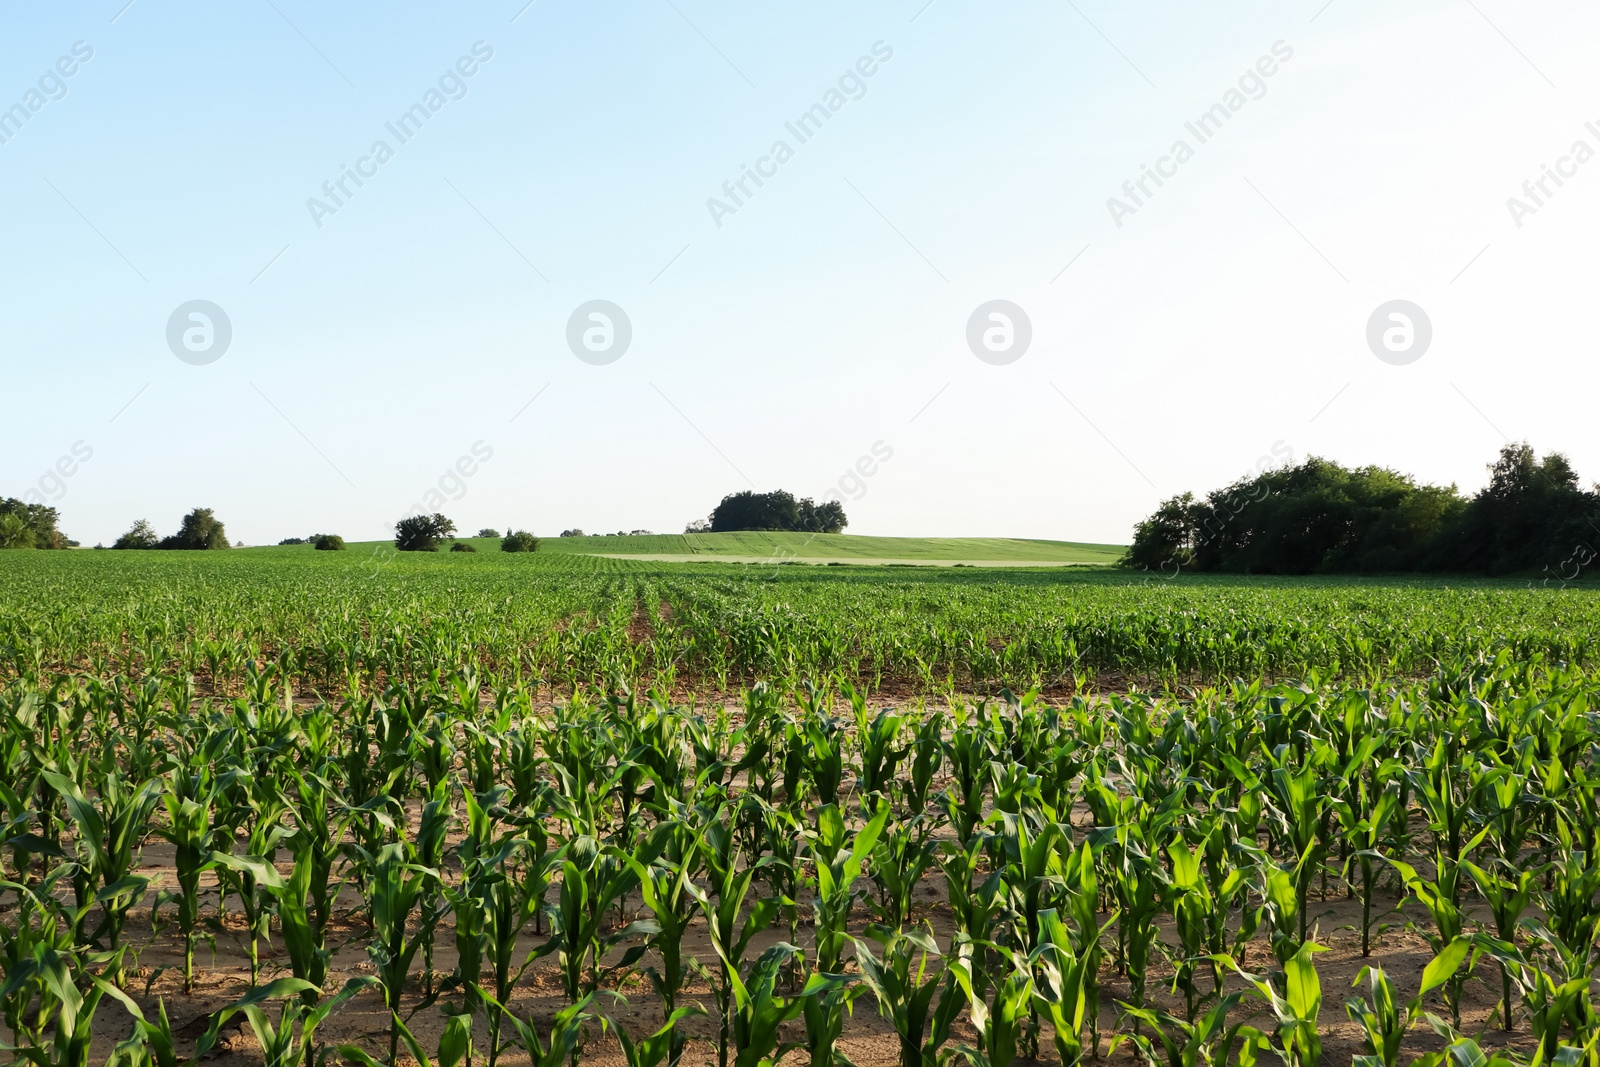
376	343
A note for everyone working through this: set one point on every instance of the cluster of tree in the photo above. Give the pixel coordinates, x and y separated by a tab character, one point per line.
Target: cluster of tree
1319	517
519	541
320	542
201	529
24	525
777	510
425	533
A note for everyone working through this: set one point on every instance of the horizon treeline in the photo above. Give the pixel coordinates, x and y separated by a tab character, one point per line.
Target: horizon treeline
1320	517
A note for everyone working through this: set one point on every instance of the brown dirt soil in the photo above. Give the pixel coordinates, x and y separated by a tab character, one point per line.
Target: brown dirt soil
222	975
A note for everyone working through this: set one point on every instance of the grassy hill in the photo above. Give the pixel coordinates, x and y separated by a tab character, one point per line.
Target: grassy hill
765	547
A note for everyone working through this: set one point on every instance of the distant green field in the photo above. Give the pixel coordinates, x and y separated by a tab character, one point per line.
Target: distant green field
763	547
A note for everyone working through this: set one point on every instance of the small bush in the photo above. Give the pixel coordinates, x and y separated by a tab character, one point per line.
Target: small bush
462	546
488	532
574	532
328	543
519	541
292	541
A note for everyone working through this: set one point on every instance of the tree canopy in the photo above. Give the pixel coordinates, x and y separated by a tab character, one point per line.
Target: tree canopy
777	510
1319	517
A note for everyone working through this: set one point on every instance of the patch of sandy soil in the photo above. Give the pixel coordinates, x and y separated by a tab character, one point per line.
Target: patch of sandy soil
223	975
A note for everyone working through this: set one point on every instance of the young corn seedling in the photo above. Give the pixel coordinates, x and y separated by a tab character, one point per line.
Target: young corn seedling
592	880
839	860
1440	897
108	834
731	926
1508	891
188	800
394	886
1365	826
1296	1009
759	1012
293	1040
657	1048
1384	1021
664	885
1066	986
900	860
920	1007
1206	1042
1002	1019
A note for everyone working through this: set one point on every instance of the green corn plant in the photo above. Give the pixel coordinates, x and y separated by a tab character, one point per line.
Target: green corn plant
1509	891
592	880
1066	986
975	905
1202	1042
152	1044
188	800
1302	803
839	860
731	925
878	737
927	758
824	754
1364	826
64	1010
664	886
394	886
455	1046
292	1040
1551	999
1188	900
920	1007
1032	867
1296	1009
1440	897
968	752
434	825
504	877
759	1011
1001	1020
303	941
657	1048
1137	884
39	958
782	838
1280	906
901	858
313	803
1384	1021
108	835
264	835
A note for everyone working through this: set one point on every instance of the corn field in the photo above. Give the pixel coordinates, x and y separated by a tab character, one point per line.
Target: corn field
447	814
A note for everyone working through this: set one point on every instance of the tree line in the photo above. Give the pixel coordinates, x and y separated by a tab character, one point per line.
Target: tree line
1320	517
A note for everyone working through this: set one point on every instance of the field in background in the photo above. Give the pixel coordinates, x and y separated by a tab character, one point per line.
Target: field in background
568	620
770	546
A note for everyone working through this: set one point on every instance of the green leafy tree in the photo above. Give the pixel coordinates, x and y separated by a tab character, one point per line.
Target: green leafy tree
519	541
422	533
200	530
140	535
